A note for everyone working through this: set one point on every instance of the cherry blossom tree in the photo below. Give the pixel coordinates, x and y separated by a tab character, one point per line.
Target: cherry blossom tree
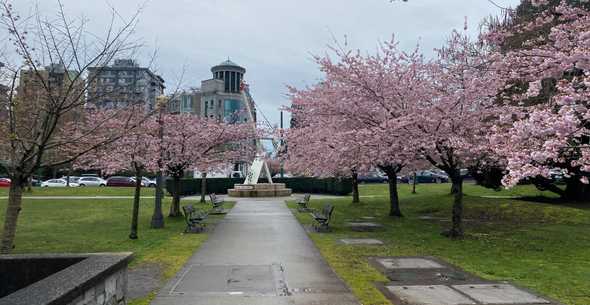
136	151
366	100
548	81
451	127
317	152
39	124
192	142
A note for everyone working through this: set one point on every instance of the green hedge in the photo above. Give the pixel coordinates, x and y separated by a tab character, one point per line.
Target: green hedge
332	186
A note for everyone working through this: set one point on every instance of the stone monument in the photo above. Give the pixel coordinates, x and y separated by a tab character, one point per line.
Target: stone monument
251	187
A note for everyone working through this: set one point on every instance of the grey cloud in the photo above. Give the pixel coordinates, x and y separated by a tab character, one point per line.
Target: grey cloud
273	39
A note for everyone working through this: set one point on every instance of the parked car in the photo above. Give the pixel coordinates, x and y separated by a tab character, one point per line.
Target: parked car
73	179
145	181
428	177
36	182
557	174
92	181
4	182
372	178
149	182
285	175
120	181
57	183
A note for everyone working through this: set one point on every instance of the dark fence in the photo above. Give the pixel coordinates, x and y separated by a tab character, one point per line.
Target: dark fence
332	186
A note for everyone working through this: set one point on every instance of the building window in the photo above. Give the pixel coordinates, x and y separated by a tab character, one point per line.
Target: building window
239	81
233	81
226	79
184	104
231	109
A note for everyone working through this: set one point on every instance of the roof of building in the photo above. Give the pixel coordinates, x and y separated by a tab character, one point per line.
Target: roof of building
228	63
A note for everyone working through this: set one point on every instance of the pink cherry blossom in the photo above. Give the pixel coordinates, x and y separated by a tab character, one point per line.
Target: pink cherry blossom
553	133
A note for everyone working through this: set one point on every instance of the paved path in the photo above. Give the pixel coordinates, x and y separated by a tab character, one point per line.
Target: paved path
258	255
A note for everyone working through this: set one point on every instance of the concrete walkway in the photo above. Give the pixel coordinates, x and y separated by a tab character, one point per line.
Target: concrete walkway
258	255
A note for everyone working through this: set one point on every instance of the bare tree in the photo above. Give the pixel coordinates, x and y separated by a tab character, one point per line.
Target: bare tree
45	103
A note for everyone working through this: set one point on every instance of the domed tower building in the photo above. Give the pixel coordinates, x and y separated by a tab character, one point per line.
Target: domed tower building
221	96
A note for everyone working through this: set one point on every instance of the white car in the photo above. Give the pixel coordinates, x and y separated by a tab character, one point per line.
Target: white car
285	175
149	182
92	181
145	182
57	183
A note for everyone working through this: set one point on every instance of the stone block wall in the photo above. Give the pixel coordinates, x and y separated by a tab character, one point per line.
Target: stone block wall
90	279
110	291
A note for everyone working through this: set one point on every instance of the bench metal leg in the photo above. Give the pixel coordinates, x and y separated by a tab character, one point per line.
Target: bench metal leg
322	227
195	228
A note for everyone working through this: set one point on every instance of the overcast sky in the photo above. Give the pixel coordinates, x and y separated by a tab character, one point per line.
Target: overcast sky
274	39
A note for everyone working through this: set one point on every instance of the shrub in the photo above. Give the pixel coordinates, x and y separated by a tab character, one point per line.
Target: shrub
332	186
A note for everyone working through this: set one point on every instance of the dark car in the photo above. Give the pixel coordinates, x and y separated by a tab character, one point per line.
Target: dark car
427	177
372	178
120	181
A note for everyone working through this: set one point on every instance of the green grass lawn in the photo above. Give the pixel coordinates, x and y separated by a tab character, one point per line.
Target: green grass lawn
82	191
56	226
537	245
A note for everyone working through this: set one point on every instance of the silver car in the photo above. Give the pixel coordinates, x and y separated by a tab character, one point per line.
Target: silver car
58	183
91	181
145	182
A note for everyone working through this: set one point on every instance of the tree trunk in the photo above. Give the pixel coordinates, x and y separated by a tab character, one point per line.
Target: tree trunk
29	185
175	206
457	228
355	187
157	221
394	209
575	190
68	178
414	183
15	196
391	172
203	187
454	189
135	213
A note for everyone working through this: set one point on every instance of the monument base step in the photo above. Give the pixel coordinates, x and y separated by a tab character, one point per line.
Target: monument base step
260	190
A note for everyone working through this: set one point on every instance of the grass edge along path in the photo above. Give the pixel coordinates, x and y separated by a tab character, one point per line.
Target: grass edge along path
540	246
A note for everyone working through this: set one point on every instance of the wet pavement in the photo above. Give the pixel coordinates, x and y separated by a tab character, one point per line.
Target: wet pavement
259	254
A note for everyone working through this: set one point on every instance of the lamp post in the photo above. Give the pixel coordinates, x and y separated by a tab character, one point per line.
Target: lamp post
281	160
158	218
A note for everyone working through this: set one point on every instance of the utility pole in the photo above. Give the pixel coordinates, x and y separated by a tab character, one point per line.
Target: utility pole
281	146
158	218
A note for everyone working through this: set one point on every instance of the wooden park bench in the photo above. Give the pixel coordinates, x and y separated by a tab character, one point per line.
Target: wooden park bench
303	204
217	203
195	219
323	217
